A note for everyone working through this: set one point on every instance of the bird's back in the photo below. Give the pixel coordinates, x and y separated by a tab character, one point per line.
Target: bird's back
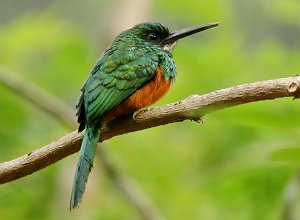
140	71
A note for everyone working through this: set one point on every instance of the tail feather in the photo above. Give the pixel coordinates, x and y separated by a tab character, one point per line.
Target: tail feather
84	164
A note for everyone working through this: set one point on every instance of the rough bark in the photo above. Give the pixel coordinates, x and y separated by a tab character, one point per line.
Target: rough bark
191	108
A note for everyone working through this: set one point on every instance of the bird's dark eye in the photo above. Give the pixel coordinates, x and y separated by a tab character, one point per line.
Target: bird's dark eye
152	37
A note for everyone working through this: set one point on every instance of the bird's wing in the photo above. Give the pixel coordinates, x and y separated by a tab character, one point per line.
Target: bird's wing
114	78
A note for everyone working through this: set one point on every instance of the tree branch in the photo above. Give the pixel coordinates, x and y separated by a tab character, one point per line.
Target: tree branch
191	108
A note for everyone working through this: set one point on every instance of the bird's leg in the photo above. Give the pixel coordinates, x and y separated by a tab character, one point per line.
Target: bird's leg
135	114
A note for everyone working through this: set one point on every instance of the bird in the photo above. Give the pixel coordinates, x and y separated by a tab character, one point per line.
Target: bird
135	71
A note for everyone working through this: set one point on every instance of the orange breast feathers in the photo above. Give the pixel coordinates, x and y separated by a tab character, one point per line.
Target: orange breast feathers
145	96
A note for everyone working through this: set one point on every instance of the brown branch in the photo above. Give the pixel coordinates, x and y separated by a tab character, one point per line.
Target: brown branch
192	108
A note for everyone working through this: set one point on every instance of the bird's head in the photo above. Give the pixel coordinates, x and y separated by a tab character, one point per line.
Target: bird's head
159	35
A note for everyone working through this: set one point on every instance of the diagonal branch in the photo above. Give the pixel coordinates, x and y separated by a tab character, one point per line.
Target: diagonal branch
191	108
38	97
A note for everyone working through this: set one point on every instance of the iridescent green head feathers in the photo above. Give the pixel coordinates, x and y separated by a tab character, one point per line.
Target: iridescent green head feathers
159	35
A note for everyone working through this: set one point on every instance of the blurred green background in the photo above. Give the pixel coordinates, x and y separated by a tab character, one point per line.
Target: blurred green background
242	163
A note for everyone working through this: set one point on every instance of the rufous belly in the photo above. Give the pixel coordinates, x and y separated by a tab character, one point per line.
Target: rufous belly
143	97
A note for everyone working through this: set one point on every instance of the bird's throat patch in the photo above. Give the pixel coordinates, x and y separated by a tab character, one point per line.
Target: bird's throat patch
169	47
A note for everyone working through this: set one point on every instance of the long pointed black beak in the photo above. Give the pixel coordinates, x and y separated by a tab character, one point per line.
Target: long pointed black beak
187	32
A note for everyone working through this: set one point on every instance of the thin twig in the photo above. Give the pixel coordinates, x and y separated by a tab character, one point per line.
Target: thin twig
191	108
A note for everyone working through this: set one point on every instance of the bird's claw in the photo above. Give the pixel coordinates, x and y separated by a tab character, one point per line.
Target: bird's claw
135	114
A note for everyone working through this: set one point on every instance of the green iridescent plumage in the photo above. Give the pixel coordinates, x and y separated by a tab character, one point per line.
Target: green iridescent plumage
125	67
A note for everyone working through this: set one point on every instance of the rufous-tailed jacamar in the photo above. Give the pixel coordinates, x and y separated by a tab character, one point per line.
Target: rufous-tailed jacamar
133	73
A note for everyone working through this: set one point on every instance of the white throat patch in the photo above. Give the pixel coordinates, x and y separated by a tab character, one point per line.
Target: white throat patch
170	47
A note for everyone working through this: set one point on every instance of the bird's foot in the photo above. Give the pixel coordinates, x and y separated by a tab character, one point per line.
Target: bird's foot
137	112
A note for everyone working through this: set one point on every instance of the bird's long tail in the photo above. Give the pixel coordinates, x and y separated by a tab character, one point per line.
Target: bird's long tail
84	164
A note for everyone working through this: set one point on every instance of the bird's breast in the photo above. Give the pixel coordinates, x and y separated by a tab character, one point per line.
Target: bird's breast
148	94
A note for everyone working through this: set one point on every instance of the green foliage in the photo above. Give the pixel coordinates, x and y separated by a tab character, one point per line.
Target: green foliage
234	166
290	155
